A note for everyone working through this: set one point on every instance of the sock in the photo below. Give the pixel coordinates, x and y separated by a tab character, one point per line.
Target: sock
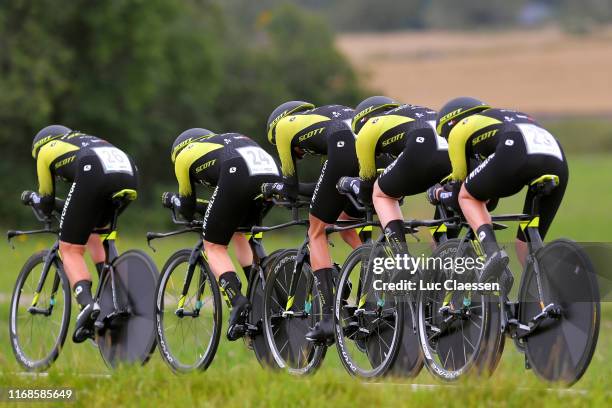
82	292
396	235
325	285
231	286
99	267
487	239
247	272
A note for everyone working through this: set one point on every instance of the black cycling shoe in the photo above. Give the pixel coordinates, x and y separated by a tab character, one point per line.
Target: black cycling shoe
494	267
84	327
323	332
238	318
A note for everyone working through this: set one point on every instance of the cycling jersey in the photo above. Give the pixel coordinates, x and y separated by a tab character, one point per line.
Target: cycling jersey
96	170
323	131
512	149
236	166
388	133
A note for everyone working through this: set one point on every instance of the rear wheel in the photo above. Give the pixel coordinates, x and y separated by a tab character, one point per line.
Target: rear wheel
39	321
287	322
128	336
189	328
561	347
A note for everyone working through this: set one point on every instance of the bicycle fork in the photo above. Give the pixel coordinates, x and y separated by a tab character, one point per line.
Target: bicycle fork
33	309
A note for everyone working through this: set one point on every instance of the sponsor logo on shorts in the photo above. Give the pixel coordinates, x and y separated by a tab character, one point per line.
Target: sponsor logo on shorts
479	168
66	204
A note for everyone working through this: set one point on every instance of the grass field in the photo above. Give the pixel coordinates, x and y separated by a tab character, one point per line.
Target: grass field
543	72
235	378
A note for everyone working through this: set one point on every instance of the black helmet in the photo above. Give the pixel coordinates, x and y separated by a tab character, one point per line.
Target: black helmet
368	106
455	110
283	110
188	136
45	135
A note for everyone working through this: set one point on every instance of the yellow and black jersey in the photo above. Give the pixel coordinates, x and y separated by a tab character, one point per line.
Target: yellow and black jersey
476	137
309	131
200	161
387	134
59	158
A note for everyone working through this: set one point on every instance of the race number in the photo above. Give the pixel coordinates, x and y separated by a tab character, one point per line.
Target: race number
539	141
441	142
258	160
113	160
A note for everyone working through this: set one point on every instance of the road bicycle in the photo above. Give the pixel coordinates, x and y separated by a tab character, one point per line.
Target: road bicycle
41	305
189	305
376	330
554	322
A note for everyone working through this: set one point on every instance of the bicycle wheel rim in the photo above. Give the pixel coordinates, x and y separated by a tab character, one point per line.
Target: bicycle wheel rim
202	333
48	331
560	350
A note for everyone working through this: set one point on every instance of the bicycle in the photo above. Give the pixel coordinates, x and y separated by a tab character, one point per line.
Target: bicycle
124	330
376	331
185	313
554	322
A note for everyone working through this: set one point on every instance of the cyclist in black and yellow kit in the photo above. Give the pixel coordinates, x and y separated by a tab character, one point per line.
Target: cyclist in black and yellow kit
96	170
405	132
513	150
297	128
237	167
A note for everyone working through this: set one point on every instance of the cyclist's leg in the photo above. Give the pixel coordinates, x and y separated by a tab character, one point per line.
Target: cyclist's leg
243	253
539	165
349	236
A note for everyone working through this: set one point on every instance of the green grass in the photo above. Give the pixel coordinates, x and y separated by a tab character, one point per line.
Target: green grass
235	377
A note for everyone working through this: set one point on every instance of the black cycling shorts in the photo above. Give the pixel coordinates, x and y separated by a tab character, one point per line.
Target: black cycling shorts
233	204
510	168
327	203
89	202
420	165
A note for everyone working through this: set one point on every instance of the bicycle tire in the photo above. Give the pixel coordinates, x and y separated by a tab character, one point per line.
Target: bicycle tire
354	349
19	350
286	335
130	339
166	345
560	350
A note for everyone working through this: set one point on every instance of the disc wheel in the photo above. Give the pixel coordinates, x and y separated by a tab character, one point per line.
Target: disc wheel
561	347
129	333
38	322
188	330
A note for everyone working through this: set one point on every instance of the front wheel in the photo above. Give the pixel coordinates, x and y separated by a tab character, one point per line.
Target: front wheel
39	321
560	348
188	326
289	316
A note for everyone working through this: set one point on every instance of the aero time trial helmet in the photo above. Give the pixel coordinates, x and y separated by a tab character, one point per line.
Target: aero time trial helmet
47	134
373	104
283	110
455	110
188	136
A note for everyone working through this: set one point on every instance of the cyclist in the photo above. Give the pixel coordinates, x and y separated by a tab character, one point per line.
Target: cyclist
297	128
406	132
96	169
513	150
237	167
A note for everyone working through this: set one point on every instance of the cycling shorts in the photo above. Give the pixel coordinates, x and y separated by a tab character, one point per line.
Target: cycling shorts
234	202
89	202
510	168
423	163
327	203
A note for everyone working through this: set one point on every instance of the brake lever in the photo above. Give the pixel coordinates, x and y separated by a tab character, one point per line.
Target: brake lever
9	236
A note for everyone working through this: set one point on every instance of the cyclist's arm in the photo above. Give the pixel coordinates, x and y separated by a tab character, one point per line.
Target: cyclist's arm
46	181
365	146
456	151
186	186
